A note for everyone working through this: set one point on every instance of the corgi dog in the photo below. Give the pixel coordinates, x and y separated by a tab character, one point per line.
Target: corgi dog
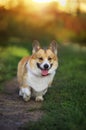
36	72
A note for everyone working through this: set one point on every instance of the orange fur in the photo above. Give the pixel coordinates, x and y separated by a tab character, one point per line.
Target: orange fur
22	69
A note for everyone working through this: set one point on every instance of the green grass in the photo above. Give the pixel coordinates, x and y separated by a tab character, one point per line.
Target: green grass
9	58
65	103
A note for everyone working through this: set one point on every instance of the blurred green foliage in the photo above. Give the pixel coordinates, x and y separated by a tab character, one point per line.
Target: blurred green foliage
9	58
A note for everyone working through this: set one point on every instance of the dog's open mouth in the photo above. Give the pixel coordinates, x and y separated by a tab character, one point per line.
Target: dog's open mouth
44	72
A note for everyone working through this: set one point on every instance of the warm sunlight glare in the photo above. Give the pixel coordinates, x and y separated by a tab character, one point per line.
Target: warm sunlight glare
62	2
42	1
2	2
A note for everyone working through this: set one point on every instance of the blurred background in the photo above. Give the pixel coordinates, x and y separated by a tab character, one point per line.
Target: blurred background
25	20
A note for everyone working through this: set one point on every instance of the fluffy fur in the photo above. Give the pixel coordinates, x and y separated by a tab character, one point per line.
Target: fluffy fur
36	72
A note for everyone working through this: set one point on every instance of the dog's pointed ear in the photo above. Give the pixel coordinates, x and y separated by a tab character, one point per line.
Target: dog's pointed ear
53	46
36	46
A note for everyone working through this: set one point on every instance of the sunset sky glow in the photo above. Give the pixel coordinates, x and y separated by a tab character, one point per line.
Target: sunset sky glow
62	4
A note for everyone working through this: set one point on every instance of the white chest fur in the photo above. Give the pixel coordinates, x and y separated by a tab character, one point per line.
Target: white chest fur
39	83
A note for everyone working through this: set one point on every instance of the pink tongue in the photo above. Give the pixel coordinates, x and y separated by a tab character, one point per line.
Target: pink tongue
44	72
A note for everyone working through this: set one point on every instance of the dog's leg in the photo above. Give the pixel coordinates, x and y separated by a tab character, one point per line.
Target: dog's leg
45	91
39	95
25	92
39	98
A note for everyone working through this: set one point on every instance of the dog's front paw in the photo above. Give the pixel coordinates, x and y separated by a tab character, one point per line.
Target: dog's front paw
26	97
25	92
39	98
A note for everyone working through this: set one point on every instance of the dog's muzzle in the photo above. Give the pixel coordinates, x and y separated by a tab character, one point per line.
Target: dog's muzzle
44	69
45	66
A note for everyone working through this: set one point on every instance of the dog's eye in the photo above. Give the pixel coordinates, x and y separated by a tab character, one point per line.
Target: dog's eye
40	58
49	58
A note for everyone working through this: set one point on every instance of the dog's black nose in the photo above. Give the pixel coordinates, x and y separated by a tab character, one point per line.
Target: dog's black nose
46	66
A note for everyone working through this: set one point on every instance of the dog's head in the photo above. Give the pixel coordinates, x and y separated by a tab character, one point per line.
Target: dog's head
44	62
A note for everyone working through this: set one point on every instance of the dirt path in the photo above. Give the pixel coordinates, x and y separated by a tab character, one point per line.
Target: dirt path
14	112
